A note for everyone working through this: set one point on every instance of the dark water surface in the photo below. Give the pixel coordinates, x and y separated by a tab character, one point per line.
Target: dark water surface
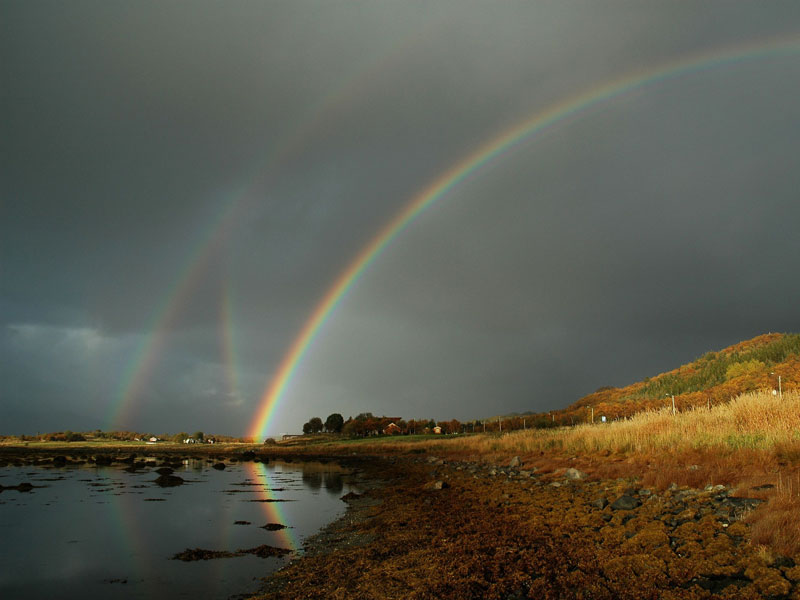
102	532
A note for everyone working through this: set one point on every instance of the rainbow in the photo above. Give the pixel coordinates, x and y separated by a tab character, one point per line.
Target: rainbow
226	335
144	359
541	121
321	113
273	510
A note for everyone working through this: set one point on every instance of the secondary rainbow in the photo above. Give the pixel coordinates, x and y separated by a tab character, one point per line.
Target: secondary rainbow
558	113
236	206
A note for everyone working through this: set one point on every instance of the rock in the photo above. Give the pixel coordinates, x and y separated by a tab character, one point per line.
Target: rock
218	466
273	526
350	496
165	471
743	503
241	522
717	583
625	502
264	551
600	503
169	480
783	561
555	484
192	554
102	460
515	463
59	461
248	455
573	473
437	485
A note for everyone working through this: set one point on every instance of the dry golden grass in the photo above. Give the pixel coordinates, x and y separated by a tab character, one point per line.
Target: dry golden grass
754	421
778	526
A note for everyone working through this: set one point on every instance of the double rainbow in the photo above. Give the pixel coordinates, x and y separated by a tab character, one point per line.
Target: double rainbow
469	166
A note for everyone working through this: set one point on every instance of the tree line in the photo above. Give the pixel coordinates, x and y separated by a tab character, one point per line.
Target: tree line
367	424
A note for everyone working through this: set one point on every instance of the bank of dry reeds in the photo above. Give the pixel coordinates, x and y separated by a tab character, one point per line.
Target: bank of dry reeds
758	420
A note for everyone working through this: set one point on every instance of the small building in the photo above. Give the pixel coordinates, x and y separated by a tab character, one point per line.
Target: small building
437	430
392	429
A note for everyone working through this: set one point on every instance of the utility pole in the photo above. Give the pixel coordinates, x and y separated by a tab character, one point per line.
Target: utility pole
593	415
673	403
780	390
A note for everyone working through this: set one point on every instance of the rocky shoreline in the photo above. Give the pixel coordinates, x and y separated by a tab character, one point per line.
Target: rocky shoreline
449	529
428	527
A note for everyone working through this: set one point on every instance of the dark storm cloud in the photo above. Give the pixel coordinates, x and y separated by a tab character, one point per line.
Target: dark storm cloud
624	243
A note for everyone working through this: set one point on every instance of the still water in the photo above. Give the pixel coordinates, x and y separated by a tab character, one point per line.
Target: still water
102	532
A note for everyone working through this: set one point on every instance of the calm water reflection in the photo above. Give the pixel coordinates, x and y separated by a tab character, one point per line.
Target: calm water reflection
102	532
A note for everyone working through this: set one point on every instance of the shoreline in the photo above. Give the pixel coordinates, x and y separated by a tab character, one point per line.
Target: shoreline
449	529
431	527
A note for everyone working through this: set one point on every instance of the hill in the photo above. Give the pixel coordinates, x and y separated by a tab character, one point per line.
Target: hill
713	378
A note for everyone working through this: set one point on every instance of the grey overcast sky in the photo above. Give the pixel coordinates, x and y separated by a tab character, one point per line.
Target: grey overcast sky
181	183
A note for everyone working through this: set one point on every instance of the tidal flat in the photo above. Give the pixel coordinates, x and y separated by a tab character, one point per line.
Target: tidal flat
140	524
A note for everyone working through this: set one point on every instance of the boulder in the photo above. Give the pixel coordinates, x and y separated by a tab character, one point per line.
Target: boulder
165	471
169	480
625	502
600	503
218	466
573	473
